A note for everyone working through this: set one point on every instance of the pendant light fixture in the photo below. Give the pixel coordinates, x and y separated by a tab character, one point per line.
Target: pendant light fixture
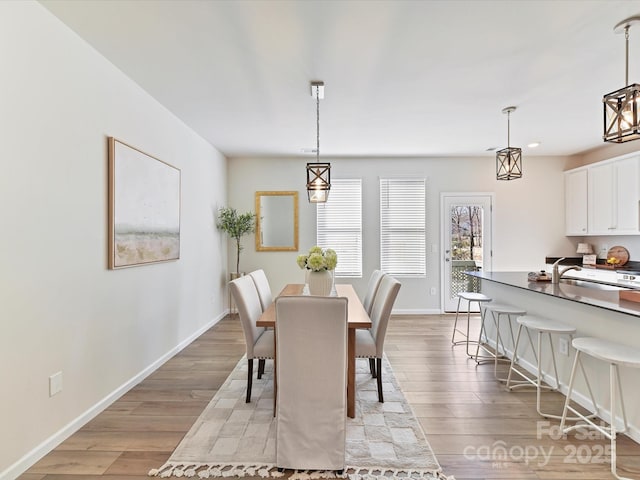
621	115
318	173
509	160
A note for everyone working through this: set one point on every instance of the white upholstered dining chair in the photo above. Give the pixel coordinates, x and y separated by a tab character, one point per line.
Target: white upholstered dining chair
311	406
259	340
370	343
262	285
372	289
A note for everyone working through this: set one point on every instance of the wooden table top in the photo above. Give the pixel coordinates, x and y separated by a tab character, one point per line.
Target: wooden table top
356	315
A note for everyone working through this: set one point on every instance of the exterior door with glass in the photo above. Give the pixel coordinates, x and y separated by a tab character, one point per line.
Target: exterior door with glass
466	243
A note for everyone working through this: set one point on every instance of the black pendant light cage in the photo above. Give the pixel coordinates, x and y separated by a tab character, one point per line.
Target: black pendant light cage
509	163
621	119
318	181
318	173
620	108
509	160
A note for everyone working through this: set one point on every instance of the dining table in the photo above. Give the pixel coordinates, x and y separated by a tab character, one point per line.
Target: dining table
357	317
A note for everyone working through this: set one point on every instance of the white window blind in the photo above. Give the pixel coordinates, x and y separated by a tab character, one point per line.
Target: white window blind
402	226
339	225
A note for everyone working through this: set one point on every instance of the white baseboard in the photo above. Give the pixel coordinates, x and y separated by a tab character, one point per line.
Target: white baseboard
29	459
407	311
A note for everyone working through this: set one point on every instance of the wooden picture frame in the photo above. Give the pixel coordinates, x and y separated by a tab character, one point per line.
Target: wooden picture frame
276	221
144	208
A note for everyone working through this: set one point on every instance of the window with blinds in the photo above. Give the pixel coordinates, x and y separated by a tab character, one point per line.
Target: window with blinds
339	225
402	226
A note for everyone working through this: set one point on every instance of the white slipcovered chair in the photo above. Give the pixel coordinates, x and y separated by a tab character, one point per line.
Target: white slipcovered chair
262	285
370	343
372	289
311	407
259	340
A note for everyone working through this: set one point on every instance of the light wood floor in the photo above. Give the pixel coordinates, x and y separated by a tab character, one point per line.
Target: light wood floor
466	414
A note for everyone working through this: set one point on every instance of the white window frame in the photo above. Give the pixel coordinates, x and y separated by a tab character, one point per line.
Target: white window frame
403	226
343	210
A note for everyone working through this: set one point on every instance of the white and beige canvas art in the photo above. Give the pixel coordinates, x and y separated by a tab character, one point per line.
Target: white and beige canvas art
144	208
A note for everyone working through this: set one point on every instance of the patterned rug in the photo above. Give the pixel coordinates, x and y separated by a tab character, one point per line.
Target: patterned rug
232	438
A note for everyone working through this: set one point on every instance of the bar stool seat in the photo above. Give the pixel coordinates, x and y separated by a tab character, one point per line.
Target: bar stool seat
614	354
497	310
479	298
540	325
608	351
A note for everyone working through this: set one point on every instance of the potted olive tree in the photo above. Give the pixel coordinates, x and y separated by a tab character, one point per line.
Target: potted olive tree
236	225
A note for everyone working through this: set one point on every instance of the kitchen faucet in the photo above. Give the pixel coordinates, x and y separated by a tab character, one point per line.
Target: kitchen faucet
557	274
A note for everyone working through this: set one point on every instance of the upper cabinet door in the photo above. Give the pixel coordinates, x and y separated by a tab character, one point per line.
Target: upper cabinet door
614	192
575	190
627	195
601	200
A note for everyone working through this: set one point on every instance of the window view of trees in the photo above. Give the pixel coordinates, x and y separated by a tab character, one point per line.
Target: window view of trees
466	233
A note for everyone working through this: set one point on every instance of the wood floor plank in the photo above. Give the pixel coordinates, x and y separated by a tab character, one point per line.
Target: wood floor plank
70	462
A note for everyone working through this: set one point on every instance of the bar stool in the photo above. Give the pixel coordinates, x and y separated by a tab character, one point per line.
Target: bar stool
479	298
541	326
614	354
497	310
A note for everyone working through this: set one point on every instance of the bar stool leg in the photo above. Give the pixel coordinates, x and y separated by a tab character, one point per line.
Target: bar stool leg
469	323
483	316
514	359
479	344
609	432
455	324
500	357
511	384
539	385
614	376
578	362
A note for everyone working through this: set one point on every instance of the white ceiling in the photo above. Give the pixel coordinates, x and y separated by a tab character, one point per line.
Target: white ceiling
403	78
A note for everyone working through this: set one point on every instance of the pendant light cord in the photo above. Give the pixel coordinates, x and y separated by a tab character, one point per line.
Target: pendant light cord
317	124
508	129
626	55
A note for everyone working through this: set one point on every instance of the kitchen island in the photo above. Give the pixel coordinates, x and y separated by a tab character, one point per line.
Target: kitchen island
594	309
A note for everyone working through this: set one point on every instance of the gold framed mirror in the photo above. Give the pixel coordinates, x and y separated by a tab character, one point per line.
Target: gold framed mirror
276	221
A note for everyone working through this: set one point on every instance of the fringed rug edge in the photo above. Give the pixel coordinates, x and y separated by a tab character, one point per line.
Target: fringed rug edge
239	470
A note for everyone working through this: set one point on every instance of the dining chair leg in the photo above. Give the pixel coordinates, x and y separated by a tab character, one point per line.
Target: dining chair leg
249	378
372	367
260	367
379	376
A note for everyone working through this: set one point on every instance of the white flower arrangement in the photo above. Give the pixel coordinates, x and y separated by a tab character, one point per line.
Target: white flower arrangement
318	259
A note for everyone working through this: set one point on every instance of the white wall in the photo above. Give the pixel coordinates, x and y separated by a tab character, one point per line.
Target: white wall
528	214
62	309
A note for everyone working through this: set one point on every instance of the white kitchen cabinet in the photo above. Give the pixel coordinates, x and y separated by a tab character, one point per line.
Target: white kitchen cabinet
575	190
613	194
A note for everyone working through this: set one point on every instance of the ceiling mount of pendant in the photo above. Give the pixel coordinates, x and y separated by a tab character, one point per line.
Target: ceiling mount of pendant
317	89
626	24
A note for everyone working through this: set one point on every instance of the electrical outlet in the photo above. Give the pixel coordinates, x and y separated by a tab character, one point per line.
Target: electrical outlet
433	290
55	384
563	346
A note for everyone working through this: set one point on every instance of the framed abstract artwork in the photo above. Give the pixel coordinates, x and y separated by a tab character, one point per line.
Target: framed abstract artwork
144	208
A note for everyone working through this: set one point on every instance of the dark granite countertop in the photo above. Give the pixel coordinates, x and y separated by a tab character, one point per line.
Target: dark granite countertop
567	289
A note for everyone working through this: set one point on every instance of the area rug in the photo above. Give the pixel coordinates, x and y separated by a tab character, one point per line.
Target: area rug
232	438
